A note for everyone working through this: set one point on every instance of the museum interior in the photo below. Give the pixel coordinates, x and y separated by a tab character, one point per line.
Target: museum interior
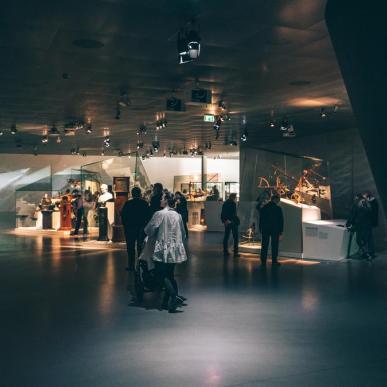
221	102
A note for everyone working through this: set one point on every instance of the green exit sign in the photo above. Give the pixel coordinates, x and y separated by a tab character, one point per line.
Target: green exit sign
209	118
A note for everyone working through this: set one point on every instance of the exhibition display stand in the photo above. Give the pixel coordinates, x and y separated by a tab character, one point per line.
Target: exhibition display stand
327	240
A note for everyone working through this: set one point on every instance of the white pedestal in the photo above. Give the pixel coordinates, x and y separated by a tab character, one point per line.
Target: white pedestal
326	240
212	211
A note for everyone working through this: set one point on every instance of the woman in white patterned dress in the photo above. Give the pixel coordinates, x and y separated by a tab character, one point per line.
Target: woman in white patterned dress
166	231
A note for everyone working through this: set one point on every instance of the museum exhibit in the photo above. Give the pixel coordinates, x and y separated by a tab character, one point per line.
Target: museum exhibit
193	193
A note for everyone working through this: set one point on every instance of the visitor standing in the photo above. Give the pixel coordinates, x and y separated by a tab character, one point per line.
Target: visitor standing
231	223
374	206
271	226
360	222
78	211
182	209
135	215
156	198
166	231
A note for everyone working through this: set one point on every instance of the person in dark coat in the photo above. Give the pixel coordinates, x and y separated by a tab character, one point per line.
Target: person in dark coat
231	223
135	215
271	225
360	221
374	205
156	198
182	209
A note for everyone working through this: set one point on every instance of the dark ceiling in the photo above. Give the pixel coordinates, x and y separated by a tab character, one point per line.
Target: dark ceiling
259	56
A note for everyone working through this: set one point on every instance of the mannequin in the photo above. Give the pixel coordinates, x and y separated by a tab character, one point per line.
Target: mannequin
105	196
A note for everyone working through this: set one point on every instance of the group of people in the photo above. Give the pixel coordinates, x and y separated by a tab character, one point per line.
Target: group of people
271	226
362	220
157	229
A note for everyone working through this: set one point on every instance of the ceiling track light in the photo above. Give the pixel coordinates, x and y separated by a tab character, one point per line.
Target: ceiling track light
244	136
222	105
323	113
44	139
140	144
89	128
1	132
290	133
284	125
188	44
272	124
13	129
106	142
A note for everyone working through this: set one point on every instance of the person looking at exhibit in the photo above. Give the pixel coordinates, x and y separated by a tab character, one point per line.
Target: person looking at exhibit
271	226
182	209
135	215
166	233
231	223
87	206
156	198
78	211
360	222
374	220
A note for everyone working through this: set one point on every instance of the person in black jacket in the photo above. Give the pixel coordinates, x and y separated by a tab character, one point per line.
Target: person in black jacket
231	222
156	198
271	225
374	205
182	209
360	221
135	215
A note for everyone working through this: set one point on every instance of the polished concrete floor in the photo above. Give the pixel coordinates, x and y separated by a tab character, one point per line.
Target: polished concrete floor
66	320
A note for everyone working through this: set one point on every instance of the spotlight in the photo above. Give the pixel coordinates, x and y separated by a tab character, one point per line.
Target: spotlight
244	136
188	45
106	142
284	125
222	105
1	132
89	128
140	144
272	124
164	123
290	132
142	130
13	129
323	113
44	139
217	124
156	146
59	140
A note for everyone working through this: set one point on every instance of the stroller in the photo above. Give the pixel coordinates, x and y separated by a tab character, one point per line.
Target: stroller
145	279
